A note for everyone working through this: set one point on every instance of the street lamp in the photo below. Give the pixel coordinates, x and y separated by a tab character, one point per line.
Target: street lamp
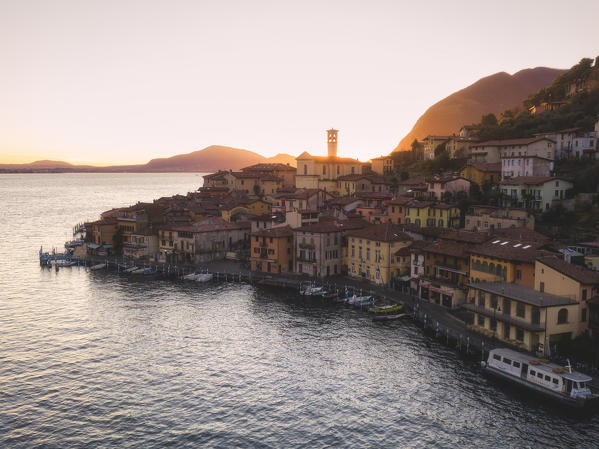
495	310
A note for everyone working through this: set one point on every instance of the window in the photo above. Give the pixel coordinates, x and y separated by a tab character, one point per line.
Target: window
583	317
493	325
520	310
540	375
519	334
533	372
481	299
507	306
497	357
555	381
494	301
519	275
542	287
562	316
584	294
507	361
516	364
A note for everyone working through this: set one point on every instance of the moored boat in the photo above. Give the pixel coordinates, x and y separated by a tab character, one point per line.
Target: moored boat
97	267
541	376
388	317
203	277
386	310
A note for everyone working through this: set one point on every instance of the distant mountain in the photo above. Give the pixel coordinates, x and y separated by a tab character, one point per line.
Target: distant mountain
282	158
494	93
210	159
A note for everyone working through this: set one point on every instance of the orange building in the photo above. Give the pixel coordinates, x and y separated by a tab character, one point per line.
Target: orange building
272	250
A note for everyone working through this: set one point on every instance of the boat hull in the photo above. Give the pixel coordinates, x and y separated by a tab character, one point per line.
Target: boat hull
559	397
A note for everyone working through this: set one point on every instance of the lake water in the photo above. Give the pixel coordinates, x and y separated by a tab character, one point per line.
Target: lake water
95	360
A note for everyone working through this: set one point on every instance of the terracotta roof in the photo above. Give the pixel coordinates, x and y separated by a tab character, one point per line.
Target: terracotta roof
448	248
400	201
520	234
486	167
508	250
463	236
342	201
430	137
501	143
281	231
445	179
328	159
333	226
576	272
569	130
208	225
299	195
374	195
269	167
522	293
385	232
529	180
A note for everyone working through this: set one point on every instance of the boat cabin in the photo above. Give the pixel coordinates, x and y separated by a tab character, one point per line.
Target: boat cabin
539	372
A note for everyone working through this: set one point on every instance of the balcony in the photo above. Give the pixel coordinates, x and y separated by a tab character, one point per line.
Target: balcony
306	245
499	316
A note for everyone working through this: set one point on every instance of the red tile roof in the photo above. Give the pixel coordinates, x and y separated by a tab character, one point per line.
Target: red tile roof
576	272
385	232
529	180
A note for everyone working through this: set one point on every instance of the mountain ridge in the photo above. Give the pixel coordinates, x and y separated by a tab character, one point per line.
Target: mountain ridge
491	94
209	159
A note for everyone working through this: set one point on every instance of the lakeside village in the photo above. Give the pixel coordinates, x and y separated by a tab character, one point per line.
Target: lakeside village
338	218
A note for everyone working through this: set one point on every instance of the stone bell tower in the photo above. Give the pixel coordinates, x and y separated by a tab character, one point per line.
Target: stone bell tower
332	142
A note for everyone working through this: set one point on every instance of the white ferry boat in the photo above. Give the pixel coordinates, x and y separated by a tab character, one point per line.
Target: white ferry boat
540	375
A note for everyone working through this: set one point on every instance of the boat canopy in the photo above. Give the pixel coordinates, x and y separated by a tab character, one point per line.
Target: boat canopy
576	377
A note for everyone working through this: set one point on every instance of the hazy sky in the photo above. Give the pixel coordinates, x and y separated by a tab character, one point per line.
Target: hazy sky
125	81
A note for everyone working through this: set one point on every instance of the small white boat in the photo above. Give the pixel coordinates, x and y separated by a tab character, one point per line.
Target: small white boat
190	277
204	277
130	269
98	267
357	300
541	376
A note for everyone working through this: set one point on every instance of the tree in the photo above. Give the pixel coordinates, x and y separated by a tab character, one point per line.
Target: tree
488	120
117	240
441	148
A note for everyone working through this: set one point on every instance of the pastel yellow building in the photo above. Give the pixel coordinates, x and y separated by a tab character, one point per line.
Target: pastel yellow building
431	214
371	252
382	165
505	260
256	207
481	172
521	316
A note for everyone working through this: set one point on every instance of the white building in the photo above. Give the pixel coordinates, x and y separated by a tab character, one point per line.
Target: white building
533	192
573	143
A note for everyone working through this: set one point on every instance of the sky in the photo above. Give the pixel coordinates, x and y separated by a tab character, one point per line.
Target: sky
117	81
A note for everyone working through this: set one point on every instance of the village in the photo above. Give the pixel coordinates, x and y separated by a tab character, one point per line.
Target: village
334	216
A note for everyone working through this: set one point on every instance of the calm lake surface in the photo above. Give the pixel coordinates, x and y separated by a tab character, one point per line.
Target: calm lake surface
95	360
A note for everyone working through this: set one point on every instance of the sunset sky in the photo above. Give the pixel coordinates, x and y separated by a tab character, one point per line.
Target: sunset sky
125	81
